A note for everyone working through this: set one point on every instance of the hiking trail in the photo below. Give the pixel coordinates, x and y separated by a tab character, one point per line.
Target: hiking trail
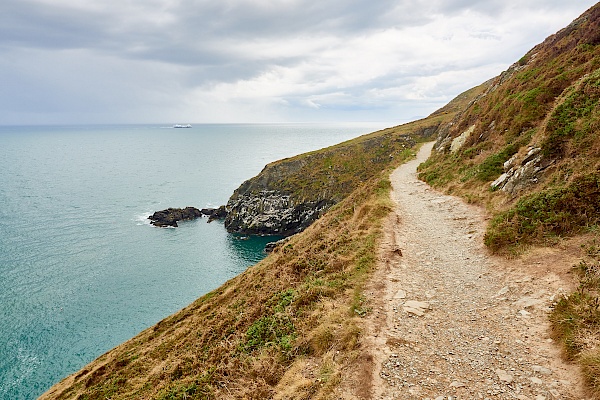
449	321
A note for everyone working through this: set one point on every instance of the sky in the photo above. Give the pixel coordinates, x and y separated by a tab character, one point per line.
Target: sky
257	61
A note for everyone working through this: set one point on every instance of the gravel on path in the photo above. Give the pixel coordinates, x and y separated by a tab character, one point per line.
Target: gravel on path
448	320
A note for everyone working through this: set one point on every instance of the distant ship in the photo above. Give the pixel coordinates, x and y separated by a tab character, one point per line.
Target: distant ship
182	126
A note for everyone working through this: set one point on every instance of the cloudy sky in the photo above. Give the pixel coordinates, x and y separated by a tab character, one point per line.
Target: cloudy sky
168	61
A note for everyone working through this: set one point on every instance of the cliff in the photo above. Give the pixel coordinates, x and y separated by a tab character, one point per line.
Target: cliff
302	304
290	194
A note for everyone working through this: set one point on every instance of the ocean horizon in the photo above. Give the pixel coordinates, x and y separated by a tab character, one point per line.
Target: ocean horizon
82	269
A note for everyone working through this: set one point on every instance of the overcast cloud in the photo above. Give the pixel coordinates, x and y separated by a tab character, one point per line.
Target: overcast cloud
168	61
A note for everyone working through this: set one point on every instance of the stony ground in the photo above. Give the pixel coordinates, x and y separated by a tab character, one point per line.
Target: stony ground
448	320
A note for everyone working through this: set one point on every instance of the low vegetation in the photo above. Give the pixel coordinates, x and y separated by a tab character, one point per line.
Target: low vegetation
541	217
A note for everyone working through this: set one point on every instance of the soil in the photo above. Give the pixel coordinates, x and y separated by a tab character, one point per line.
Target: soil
450	321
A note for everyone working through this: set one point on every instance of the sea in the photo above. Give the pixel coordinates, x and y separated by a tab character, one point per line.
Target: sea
81	268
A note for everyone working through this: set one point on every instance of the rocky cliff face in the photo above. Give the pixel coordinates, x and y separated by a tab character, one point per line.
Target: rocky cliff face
289	195
271	212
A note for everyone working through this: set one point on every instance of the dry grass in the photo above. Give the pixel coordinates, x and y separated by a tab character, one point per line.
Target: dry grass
576	318
260	328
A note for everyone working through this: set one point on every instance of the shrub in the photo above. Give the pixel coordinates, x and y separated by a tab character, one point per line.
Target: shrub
554	212
565	122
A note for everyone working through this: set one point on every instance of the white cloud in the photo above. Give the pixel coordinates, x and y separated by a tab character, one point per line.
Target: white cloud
257	60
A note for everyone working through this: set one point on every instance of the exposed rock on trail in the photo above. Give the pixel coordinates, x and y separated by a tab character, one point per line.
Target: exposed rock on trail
451	322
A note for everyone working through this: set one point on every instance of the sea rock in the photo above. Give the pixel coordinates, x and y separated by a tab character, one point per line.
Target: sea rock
214	213
208	211
170	216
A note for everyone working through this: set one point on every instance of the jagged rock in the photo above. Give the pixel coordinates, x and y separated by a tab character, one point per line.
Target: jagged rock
520	175
215	213
510	163
500	182
170	216
459	141
270	212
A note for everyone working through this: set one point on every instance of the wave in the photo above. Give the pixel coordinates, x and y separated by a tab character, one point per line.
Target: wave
142	219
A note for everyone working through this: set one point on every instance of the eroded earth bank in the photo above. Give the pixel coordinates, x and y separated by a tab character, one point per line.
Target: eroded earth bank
450	321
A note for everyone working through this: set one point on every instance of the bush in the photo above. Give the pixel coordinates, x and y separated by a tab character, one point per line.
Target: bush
554	212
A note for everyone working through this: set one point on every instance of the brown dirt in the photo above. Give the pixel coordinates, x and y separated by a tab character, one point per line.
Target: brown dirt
483	330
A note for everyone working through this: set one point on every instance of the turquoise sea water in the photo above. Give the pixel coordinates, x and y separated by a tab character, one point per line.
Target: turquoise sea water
81	270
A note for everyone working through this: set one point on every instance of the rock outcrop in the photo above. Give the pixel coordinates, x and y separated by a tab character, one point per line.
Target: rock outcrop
520	174
272	212
170	216
289	195
214	213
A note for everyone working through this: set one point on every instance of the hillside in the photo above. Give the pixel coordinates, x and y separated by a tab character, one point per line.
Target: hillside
524	145
288	195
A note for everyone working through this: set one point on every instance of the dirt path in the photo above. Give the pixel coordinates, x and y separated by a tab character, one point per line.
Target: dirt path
454	322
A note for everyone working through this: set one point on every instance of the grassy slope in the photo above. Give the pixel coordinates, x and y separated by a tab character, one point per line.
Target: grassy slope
550	99
255	336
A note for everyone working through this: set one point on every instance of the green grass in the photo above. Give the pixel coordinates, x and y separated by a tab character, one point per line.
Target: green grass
577	117
492	166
